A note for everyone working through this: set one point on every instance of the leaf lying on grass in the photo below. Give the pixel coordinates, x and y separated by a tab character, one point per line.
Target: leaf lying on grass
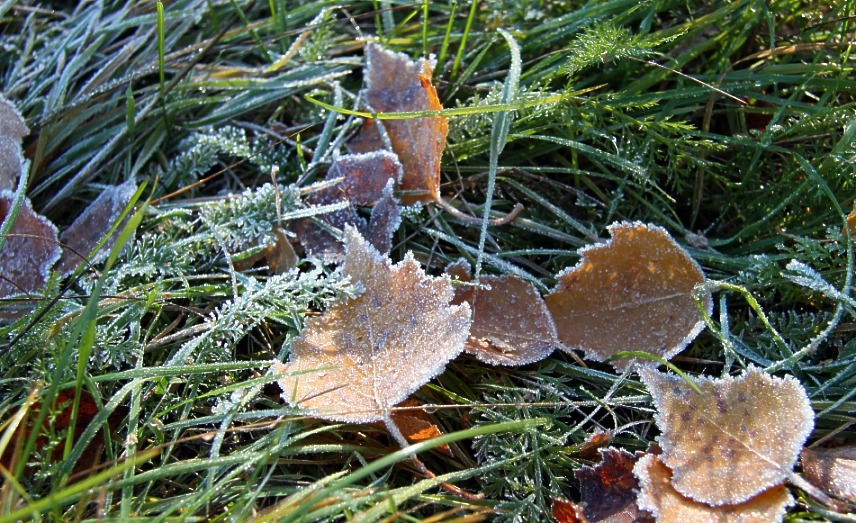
394	83
609	488
833	470
361	358
511	324
12	131
738	438
632	293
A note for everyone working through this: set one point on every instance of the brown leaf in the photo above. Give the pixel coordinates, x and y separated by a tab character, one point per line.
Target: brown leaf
280	255
590	449
632	293
92	225
739	437
385	220
363	357
394	83
511	324
658	496
364	177
565	511
31	250
416	425
609	488
833	470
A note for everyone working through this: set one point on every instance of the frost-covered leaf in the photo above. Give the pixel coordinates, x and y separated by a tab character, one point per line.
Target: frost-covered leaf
565	511
416	425
511	324
11	122
608	489
363	357
385	220
632	293
394	83
658	496
832	470
31	250
12	132
90	227
363	178
738	437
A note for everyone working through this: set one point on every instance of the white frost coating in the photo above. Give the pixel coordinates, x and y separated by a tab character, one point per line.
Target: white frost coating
610	315
11	162
361	358
751	427
385	220
11	122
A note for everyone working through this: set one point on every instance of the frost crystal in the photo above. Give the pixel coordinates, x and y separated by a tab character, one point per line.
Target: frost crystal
361	358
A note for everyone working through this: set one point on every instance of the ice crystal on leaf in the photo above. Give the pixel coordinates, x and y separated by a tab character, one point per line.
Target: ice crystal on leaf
385	220
633	293
12	131
361	358
511	324
658	496
31	250
394	83
737	438
832	469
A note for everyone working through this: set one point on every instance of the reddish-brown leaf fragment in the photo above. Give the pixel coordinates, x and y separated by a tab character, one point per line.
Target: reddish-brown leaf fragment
511	324
633	293
416	425
833	470
609	488
31	250
590	449
366	175
394	83
92	225
658	496
384	221
361	358
740	436
565	511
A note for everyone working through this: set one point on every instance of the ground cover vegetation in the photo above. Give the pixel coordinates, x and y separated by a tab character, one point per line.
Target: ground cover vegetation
144	367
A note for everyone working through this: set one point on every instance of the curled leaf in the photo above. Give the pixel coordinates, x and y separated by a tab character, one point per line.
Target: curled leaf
658	496
394	83
737	438
363	357
511	324
633	293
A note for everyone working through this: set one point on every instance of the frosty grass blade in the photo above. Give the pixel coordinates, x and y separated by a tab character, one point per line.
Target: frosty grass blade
739	437
632	293
361	358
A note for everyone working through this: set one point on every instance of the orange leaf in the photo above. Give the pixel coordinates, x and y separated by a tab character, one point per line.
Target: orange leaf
739	437
361	358
511	324
632	293
568	512
658	496
394	83
416	425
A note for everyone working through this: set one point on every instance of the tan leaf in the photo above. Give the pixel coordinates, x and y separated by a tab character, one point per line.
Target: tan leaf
92	225
394	83
739	437
31	250
658	496
832	470
511	324
633	292
361	358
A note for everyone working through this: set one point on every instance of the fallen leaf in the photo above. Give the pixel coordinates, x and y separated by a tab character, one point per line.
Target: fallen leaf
31	250
632	293
416	425
609	488
12	132
384	221
280	255
363	178
92	225
658	496
511	324
851	222
394	83
361	358
833	470
590	449
737	438
565	511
